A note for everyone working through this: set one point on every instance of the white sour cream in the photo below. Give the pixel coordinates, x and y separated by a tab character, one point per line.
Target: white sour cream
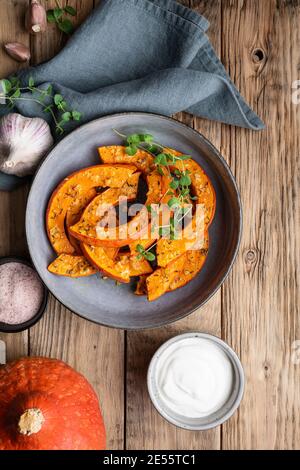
194	377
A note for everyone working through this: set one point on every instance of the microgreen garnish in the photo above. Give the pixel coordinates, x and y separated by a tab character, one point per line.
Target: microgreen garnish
147	254
179	185
54	104
58	16
133	142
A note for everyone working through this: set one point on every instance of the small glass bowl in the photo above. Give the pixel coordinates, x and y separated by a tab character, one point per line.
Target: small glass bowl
16	328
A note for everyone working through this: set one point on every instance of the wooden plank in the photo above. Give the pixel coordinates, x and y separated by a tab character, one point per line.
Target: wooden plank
96	352
146	429
260	299
12	205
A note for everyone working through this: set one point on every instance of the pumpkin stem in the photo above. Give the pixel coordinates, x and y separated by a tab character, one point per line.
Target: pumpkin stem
31	421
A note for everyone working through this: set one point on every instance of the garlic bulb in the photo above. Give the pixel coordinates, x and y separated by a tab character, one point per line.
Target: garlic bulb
23	142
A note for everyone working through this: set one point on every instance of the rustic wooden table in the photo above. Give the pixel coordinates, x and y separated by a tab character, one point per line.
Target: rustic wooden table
256	309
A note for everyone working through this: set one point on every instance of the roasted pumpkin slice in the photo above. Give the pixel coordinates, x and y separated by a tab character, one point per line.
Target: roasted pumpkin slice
194	261
158	283
71	266
71	188
88	228
143	161
120	269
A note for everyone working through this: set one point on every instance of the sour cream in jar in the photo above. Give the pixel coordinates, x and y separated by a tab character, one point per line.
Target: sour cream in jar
194	377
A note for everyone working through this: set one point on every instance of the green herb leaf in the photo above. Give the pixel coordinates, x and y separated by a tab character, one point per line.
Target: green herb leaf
149	256
6	86
50	16
174	184
131	150
133	139
57	99
76	115
139	248
57	13
62	105
66	116
16	94
70	10
160	171
185	180
161	159
173	202
147	137
152	149
170	158
66	26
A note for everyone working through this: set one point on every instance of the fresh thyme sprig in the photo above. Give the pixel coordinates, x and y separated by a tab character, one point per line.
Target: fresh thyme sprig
50	103
133	142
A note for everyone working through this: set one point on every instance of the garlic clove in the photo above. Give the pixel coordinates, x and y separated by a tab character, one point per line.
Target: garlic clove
23	142
36	18
18	51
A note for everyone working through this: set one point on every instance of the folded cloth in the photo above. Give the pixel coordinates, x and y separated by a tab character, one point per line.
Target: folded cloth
140	55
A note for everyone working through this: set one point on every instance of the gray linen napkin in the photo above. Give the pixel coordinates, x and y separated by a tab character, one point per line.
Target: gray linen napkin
140	55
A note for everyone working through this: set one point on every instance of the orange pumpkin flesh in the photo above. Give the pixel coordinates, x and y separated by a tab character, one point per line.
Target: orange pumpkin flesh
192	237
121	268
71	266
47	405
143	161
72	188
74	213
194	262
158	283
86	229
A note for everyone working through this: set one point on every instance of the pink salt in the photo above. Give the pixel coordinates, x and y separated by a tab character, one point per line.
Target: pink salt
21	293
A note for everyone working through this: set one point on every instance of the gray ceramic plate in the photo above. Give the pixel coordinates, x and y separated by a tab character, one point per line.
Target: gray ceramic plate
101	300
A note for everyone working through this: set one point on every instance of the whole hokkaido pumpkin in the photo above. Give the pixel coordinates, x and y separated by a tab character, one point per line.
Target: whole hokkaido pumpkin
47	405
